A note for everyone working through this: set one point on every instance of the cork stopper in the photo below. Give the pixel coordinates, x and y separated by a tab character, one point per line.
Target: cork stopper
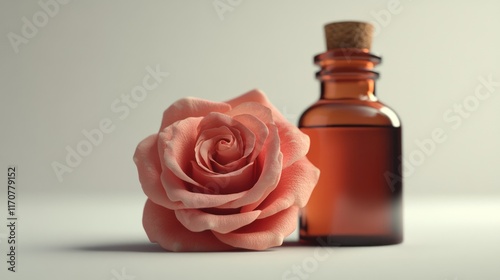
348	34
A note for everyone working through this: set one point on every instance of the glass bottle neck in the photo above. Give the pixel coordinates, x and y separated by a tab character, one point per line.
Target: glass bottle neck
347	74
363	89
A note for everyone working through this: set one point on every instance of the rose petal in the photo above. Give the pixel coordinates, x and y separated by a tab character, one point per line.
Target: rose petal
197	220
256	109
295	187
263	233
178	191
294	144
229	167
233	182
153	180
149	168
176	144
259	97
255	117
261	132
191	107
162	227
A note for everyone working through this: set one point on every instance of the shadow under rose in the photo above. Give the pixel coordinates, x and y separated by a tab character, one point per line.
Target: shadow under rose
121	247
144	248
287	243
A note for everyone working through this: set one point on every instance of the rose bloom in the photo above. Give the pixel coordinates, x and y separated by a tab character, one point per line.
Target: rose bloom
224	175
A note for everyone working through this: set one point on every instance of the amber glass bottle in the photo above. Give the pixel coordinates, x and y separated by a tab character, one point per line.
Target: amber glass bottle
356	143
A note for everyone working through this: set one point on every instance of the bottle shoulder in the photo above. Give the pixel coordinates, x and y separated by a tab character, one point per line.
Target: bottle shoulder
349	112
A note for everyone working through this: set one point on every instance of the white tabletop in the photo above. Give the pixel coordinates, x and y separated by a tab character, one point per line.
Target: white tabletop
77	235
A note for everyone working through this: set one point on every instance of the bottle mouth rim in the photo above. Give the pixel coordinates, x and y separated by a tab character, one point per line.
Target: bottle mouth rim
347	54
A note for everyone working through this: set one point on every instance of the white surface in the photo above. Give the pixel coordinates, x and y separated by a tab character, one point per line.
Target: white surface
94	235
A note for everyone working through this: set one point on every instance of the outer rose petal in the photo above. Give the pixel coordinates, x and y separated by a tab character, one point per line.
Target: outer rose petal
295	187
197	220
191	107
176	145
294	143
263	233
149	168
162	227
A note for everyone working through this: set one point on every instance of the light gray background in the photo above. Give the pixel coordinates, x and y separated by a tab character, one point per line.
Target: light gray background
65	78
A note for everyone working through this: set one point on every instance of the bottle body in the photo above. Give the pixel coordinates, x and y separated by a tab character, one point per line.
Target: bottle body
356	143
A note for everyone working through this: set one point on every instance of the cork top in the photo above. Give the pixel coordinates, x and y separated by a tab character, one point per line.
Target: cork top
348	34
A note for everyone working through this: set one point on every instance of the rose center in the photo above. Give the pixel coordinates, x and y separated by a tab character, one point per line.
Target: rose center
227	150
224	144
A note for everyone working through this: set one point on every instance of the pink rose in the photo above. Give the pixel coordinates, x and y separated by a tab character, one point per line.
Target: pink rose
220	176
